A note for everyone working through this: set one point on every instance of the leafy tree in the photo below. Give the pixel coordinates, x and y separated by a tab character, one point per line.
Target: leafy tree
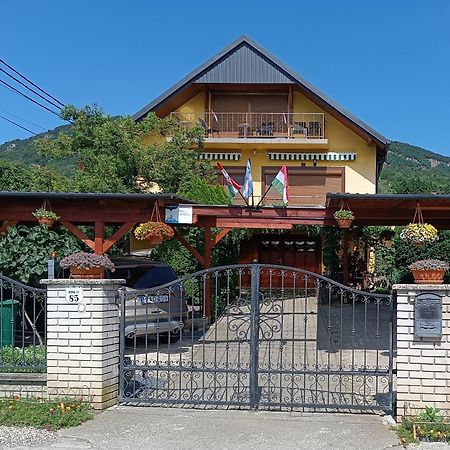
24	251
112	155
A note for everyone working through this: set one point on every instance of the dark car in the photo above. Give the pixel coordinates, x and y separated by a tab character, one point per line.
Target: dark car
160	313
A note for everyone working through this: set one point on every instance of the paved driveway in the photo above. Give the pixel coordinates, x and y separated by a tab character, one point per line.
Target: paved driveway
127	427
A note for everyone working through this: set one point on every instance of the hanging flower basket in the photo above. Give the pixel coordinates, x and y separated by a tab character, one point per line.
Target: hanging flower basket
153	232
87	265
344	218
418	233
45	216
429	271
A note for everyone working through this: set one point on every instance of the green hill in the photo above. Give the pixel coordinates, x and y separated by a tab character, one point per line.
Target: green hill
411	169
408	169
25	151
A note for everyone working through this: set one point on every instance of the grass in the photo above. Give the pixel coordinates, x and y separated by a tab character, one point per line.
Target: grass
39	413
27	359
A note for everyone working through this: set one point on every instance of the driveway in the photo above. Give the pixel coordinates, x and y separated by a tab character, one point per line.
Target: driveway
127	427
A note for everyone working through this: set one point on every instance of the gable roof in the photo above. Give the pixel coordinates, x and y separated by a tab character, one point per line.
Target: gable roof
245	61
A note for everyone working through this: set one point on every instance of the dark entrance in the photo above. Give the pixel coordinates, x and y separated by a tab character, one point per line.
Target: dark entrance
311	344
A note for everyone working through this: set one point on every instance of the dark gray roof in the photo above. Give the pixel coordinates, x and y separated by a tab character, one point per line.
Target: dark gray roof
92	196
245	61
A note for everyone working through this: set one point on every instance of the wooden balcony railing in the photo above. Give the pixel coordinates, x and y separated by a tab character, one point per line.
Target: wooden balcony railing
256	125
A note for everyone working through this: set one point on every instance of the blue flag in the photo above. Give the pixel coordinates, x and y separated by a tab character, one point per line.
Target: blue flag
247	188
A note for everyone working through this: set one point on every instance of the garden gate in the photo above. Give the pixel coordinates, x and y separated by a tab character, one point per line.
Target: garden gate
309	343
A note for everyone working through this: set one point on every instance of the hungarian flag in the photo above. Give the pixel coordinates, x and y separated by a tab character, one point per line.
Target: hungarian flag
280	183
233	186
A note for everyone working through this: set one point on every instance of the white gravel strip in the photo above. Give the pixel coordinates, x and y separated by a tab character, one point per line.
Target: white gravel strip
22	437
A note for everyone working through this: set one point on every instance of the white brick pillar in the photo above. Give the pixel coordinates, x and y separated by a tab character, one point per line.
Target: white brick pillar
423	364
83	340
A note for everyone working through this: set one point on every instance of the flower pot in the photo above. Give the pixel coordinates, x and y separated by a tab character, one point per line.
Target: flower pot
428	276
154	241
92	272
344	223
46	221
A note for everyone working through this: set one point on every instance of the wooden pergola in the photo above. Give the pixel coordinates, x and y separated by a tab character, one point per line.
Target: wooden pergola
126	210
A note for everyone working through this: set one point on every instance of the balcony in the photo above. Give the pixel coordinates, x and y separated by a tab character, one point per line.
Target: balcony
229	127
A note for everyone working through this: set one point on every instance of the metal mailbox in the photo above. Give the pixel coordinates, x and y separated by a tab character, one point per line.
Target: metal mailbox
428	316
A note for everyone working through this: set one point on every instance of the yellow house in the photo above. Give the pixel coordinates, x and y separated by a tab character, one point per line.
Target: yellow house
254	107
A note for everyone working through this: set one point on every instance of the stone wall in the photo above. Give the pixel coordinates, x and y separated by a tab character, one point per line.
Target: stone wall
423	364
23	385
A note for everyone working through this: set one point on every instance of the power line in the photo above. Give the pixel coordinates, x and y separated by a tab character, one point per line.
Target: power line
17	125
30	89
28	97
24	120
29	81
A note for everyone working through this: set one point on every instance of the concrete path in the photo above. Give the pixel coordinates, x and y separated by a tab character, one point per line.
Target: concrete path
128	427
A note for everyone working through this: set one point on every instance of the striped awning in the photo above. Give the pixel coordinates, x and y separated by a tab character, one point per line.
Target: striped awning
328	156
221	156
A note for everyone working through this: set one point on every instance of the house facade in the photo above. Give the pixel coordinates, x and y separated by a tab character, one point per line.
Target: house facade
252	106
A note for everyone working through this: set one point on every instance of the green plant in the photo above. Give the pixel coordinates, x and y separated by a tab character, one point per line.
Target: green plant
24	251
45	214
345	214
28	359
153	230
429	425
39	413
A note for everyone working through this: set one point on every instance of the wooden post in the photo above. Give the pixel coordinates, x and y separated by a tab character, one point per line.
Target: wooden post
208	243
99	237
345	260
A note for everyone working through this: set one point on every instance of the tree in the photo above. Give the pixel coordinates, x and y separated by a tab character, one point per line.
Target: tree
112	155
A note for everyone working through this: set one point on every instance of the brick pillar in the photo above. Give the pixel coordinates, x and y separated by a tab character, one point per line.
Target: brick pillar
83	340
423	364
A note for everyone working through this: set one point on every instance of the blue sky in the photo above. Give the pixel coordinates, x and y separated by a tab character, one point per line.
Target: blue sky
387	61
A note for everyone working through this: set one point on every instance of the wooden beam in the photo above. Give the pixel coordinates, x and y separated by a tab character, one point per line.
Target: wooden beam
345	259
220	235
209	244
189	247
79	234
119	234
6	225
99	237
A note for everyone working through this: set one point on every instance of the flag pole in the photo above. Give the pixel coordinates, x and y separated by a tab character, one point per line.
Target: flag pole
262	198
245	200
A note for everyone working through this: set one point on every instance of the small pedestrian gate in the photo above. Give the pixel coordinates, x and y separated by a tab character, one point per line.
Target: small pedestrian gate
310	343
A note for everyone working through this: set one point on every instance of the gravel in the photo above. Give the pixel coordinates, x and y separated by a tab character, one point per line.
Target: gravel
22	437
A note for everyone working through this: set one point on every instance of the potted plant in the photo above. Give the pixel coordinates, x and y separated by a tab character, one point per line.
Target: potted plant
429	271
87	265
153	232
419	234
344	218
45	216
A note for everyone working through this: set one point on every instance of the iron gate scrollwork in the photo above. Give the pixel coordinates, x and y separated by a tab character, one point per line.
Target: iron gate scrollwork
278	338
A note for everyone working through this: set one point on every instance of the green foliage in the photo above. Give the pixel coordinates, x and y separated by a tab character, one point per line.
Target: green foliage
28	359
332	238
111	156
45	214
24	251
344	214
17	177
429	425
38	413
200	190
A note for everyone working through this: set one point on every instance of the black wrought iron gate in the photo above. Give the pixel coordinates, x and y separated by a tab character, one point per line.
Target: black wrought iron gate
277	338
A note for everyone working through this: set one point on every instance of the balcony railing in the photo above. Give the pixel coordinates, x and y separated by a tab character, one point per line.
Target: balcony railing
256	125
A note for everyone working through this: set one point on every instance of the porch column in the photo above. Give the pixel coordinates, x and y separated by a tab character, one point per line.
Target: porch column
345	260
423	378
83	340
207	264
